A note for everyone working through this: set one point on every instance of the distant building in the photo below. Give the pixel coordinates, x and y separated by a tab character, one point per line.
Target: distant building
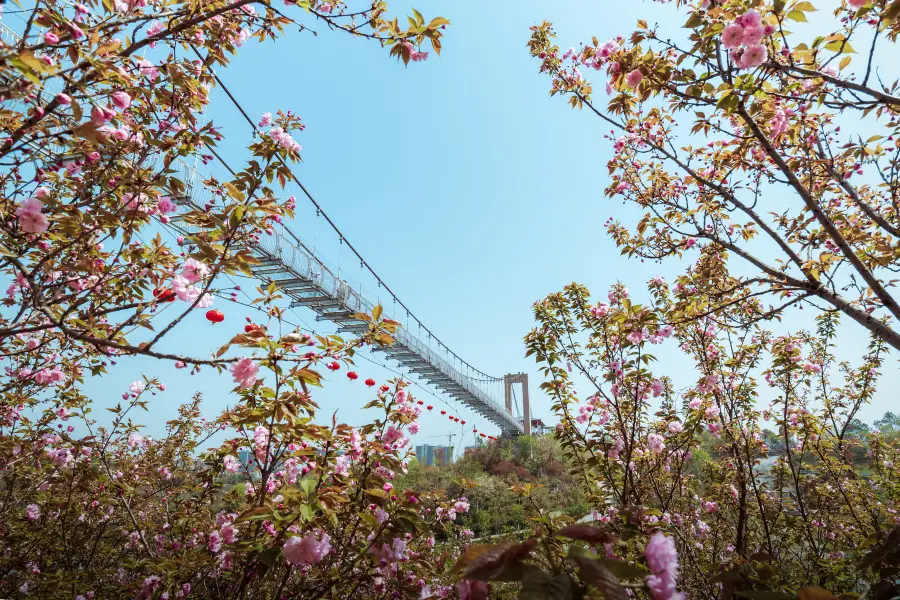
429	455
538	427
246	459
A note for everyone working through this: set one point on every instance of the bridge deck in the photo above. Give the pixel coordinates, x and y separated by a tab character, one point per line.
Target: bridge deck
300	275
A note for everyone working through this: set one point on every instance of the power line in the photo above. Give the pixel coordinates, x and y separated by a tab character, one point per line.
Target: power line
308	328
342	237
363	263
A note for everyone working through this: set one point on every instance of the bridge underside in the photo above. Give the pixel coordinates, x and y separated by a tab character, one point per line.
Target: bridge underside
308	282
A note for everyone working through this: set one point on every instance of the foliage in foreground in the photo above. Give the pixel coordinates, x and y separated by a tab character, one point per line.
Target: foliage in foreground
282	505
102	113
727	137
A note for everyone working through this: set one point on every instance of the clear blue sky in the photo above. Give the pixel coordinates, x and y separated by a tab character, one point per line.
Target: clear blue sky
468	189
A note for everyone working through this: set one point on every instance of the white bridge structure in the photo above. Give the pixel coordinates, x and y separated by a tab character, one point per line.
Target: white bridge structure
297	271
303	276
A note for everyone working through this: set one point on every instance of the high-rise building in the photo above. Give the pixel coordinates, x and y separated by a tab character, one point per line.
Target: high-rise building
246	459
429	455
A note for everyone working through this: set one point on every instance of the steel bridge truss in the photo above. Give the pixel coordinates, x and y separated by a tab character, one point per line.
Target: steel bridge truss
308	282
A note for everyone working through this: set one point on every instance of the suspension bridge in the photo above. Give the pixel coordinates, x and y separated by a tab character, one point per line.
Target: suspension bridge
302	274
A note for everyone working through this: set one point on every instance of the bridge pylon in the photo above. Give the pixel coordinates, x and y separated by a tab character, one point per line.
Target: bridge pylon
509	395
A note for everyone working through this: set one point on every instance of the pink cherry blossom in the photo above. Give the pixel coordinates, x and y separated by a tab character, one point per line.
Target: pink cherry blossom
99	116
245	372
241	38
662	558
470	590
751	19
121	100
229	534
194	270
184	290
753	36
165	205
733	36
147	69
307	550
342	465
754	56
31	219
231	464
634	78
214	542
32	512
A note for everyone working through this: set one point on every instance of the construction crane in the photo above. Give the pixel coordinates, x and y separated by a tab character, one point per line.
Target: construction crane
450	437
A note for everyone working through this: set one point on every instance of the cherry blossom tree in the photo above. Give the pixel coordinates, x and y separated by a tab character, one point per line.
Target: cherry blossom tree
730	135
760	141
102	118
688	498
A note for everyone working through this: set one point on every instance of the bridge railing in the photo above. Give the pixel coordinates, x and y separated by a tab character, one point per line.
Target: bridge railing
304	262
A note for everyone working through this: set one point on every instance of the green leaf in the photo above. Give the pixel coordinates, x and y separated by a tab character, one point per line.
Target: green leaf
892	11
500	562
438	22
797	15
307	512
815	593
77	113
234	192
728	100
269	556
695	20
256	514
593	572
378	493
840	46
622	569
539	585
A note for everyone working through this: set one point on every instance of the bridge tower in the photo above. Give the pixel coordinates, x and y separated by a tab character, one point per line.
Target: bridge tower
509	395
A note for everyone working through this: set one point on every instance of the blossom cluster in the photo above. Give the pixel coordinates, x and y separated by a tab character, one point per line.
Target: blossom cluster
744	39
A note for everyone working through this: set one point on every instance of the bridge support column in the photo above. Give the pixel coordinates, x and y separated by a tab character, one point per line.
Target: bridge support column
508	381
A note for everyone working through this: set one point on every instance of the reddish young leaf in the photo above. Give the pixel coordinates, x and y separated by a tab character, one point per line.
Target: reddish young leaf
486	562
588	533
